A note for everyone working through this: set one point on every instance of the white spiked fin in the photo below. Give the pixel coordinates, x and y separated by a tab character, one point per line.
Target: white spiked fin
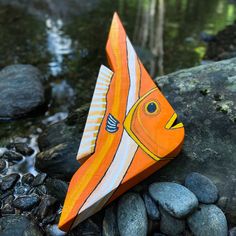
96	114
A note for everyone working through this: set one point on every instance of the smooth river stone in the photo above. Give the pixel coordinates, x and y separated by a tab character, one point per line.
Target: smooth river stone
132	216
208	220
177	200
204	189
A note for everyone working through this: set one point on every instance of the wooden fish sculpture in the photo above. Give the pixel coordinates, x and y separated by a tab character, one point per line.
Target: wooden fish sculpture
131	132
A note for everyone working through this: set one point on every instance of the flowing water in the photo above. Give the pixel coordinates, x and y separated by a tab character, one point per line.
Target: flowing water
66	40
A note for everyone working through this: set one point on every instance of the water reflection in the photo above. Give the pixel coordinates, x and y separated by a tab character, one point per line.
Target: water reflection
58	43
170	31
66	40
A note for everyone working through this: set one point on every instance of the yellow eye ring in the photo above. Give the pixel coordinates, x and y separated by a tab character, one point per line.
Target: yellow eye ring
152	108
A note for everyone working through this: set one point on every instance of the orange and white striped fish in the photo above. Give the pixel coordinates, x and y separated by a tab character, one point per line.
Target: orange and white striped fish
129	134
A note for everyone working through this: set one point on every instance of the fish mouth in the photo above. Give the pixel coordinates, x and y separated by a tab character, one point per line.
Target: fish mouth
173	122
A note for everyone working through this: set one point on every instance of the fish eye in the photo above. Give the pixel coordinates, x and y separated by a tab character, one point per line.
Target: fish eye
151	107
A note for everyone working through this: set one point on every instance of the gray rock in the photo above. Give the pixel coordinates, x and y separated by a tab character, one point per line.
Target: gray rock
53	230
87	227
109	226
2	165
21	189
9	181
232	231
12	156
46	207
22	148
57	163
57	188
177	200
132	216
59	146
18	225
22	91
39	179
40	190
209	146
151	207
26	202
7	209
170	225
208	220
27	178
204	189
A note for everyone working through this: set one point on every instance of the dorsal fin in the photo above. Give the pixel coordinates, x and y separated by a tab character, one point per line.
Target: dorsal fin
96	114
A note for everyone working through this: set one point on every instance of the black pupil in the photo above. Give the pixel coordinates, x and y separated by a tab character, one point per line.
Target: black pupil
151	107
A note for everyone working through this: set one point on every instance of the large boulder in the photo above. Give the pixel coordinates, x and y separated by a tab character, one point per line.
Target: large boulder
22	91
204	98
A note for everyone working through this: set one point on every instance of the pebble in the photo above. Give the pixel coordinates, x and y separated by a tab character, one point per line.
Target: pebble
8	200
177	200
151	207
26	202
204	189
53	230
12	156
21	189
22	148
109	226
9	181
46	207
131	215
18	225
7	209
87	228
27	178
57	188
232	232
2	165
208	220
39	179
170	225
40	190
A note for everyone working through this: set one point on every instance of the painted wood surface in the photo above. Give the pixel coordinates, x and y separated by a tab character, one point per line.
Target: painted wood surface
129	134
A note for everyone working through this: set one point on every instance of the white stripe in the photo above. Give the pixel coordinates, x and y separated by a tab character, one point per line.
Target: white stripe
97	92
90	132
103	81
99	103
95	117
115	172
91	125
125	152
101	87
132	97
106	70
99	100
97	109
88	148
95	96
88	142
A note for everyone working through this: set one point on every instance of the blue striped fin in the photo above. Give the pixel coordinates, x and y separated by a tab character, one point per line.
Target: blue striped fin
111	125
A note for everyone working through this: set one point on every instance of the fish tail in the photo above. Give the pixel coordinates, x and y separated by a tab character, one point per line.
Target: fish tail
82	184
